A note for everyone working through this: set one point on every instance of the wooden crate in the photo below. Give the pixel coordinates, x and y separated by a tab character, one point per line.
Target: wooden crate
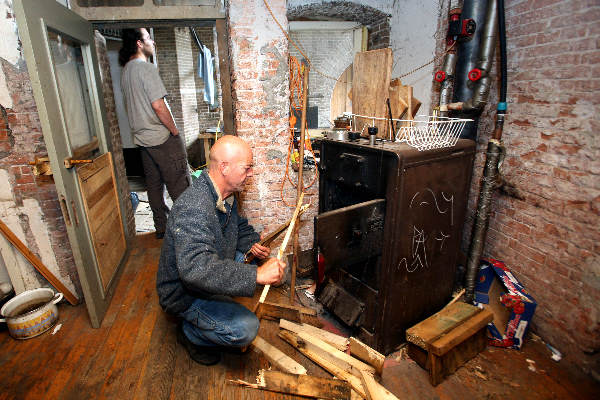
446	340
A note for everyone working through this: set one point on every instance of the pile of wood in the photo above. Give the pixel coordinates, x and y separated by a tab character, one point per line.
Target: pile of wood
372	87
353	364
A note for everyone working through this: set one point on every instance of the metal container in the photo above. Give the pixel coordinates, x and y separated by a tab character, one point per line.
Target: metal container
340	135
31	313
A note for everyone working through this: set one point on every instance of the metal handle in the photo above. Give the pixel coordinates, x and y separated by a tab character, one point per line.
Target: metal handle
57	297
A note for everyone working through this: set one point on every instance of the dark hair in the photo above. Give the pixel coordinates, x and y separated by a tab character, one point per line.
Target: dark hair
130	38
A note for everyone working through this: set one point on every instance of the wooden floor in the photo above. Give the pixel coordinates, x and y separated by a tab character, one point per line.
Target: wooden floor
134	356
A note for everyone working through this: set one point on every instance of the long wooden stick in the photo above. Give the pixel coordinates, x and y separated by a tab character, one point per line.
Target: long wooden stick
300	181
249	257
37	263
286	239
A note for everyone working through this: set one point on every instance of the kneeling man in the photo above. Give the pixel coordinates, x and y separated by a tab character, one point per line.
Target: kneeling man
201	262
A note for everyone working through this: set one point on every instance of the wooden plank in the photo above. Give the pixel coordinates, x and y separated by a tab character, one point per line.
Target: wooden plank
330	353
461	333
340	103
108	237
277	357
225	76
367	354
370	88
429	330
374	390
303	385
337	341
326	364
276	312
37	263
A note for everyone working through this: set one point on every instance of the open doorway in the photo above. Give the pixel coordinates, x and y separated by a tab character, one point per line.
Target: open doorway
185	59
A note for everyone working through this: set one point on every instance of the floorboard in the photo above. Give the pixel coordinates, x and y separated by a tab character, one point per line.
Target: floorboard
134	355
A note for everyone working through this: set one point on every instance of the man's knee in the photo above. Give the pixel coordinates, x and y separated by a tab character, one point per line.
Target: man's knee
244	330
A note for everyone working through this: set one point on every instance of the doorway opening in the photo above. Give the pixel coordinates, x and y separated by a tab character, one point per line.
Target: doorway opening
186	61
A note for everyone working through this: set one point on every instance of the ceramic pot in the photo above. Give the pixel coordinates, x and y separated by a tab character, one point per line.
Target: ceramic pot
31	313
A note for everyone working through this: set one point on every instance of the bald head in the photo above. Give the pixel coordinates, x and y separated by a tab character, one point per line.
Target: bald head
230	164
228	149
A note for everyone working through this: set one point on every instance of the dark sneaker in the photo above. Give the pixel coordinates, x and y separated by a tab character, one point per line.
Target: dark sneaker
201	354
159	235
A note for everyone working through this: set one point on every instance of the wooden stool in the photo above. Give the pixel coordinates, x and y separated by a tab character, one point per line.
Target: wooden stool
446	340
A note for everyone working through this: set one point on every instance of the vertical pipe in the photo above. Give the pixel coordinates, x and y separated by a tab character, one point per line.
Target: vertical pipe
300	183
493	156
467	57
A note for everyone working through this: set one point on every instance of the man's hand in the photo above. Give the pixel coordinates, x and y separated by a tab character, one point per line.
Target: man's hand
270	272
260	252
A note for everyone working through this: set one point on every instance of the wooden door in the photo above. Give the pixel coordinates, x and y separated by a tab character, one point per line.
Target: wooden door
61	58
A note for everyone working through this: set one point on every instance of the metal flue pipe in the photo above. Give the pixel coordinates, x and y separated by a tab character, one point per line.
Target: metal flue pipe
494	156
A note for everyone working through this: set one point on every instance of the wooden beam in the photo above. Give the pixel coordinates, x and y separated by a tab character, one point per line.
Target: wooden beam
326	364
303	385
374	390
37	263
278	311
277	357
337	341
225	76
367	354
300	185
330	353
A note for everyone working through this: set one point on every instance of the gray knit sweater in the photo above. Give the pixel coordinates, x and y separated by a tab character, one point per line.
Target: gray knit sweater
200	242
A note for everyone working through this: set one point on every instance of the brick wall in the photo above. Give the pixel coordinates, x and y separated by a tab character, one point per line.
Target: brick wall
545	222
331	57
115	134
259	53
379	34
166	56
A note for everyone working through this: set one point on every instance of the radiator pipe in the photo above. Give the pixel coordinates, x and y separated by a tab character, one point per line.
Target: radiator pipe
475	55
494	157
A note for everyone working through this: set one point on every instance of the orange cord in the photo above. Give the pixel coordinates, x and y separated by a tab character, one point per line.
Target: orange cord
296	99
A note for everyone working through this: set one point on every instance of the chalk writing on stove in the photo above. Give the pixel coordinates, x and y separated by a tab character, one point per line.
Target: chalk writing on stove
445	207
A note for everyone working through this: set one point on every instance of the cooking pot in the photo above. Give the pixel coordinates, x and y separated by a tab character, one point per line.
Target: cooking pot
31	313
338	134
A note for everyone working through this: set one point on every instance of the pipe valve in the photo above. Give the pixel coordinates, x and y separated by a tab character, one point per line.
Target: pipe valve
440	76
475	74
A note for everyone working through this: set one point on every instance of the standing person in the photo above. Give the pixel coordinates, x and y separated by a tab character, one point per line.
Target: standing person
201	262
163	151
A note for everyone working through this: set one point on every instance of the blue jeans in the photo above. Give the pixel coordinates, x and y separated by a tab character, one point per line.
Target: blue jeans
219	321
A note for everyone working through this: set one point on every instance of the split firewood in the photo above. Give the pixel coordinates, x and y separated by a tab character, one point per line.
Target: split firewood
337	341
303	385
330	353
374	390
277	357
367	354
325	363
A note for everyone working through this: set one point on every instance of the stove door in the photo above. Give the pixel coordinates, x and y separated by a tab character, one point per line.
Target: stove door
351	234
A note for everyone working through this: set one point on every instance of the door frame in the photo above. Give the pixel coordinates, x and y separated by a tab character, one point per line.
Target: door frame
33	19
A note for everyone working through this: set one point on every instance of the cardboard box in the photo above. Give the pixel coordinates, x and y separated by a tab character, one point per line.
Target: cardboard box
498	290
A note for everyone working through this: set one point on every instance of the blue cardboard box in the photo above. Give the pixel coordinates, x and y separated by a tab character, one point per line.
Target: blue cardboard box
499	290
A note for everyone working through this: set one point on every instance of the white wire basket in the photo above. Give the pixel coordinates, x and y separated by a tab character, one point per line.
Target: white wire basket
430	132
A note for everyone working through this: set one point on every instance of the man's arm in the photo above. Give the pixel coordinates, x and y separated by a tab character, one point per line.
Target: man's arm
164	115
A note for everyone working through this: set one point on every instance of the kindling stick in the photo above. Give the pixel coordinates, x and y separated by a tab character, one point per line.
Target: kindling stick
286	239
